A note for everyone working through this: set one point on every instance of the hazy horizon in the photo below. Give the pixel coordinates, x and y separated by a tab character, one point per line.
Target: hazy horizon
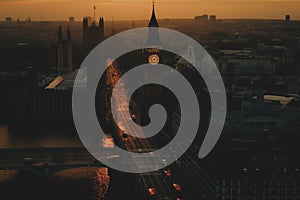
54	10
135	20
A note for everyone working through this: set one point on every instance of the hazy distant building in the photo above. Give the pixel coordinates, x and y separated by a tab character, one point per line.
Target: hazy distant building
92	34
133	24
71	19
8	20
253	66
202	18
113	30
287	18
213	18
64	53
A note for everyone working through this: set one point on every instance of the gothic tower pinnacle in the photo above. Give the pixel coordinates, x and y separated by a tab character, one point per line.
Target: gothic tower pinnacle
153	21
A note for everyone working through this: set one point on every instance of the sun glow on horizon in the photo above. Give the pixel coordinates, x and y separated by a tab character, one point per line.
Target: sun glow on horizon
141	9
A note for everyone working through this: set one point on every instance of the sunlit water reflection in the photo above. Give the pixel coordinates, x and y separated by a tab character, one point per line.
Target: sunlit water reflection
40	136
101	183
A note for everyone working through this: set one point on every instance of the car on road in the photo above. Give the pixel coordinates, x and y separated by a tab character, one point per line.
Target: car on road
152	191
167	173
177	187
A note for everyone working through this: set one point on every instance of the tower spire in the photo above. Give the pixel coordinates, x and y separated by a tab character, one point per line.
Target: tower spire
153	21
59	33
94	20
113	27
153	39
69	34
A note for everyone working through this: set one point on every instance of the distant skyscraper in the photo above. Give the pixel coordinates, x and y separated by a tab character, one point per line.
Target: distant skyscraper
8	20
64	53
287	18
213	18
92	34
71	19
113	31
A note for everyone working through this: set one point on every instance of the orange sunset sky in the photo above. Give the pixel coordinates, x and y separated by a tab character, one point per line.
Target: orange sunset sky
140	9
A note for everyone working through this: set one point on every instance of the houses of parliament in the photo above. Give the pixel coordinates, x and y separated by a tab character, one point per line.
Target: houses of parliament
92	35
50	100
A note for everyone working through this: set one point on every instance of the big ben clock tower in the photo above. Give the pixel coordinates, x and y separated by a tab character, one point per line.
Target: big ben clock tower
153	45
151	94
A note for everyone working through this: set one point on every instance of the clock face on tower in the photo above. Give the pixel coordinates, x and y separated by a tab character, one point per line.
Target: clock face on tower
153	59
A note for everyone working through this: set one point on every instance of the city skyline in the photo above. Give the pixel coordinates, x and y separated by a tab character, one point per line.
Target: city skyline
119	9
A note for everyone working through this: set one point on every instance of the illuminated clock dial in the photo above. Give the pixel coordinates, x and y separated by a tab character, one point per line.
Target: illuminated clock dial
153	59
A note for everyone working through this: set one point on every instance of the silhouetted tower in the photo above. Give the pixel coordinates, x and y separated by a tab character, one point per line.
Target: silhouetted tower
92	34
101	26
153	21
69	48
152	46
287	18
152	94
113	31
64	53
60	54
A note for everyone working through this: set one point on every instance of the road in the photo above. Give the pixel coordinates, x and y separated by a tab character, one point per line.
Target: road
156	185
